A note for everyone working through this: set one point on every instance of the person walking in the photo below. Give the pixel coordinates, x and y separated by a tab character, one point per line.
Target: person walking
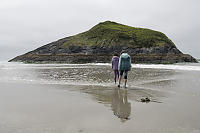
115	62
124	66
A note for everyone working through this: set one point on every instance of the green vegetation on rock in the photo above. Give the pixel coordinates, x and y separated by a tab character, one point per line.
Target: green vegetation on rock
114	34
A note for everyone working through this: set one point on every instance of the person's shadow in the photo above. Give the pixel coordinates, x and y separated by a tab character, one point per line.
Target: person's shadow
120	105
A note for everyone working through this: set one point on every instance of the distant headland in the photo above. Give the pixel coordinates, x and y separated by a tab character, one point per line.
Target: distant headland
98	44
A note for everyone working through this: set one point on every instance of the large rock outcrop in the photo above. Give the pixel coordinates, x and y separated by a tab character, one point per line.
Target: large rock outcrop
100	42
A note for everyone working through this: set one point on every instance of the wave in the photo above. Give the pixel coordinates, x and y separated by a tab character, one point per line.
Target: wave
16	65
168	67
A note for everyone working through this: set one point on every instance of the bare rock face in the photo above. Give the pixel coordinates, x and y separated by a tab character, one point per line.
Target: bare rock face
100	42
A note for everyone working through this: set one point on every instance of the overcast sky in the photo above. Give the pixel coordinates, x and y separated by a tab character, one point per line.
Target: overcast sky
28	24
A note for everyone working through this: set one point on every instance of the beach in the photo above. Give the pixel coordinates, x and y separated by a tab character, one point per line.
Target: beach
82	98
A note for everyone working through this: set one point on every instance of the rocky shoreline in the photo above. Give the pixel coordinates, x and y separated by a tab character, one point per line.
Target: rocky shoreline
102	58
54	53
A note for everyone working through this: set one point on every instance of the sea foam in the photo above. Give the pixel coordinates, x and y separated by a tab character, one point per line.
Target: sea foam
184	67
187	67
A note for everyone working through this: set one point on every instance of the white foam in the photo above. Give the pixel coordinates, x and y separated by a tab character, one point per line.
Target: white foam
169	67
185	67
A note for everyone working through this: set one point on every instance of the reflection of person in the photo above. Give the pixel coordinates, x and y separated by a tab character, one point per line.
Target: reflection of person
115	61
120	105
124	66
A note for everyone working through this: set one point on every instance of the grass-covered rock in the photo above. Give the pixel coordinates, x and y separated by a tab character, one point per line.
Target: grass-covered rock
100	42
114	34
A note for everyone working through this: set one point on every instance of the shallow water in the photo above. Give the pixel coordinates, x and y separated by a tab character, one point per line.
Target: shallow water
60	98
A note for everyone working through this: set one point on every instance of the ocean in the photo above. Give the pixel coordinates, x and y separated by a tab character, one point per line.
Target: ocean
62	98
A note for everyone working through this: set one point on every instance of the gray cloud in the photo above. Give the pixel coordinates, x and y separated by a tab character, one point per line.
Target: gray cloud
28	24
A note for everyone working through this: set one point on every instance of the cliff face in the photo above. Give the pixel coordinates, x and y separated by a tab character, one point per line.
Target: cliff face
100	42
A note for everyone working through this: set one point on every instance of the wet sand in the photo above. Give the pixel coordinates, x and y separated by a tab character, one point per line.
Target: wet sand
96	105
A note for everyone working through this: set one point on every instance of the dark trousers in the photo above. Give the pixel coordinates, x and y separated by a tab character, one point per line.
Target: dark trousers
125	73
116	75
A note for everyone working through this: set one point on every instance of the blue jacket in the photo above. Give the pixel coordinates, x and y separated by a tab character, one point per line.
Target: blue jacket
124	62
